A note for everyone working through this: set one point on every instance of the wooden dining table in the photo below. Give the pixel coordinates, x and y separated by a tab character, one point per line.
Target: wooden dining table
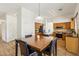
39	44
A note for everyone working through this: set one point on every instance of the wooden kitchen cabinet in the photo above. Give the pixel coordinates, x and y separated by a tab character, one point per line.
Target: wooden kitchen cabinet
37	27
72	23
72	44
65	25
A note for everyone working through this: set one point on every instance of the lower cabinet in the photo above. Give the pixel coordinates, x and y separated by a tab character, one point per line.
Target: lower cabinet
72	44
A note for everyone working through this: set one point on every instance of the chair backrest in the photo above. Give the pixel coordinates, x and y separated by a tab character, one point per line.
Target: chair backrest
53	42
27	36
46	35
23	48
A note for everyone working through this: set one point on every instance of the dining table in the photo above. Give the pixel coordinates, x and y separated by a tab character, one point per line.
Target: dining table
38	43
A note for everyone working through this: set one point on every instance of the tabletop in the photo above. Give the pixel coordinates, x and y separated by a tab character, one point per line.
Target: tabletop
38	43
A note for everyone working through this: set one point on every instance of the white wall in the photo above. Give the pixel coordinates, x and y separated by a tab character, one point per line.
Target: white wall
19	16
11	21
61	20
0	31
2	28
4	31
9	28
48	28
77	19
25	21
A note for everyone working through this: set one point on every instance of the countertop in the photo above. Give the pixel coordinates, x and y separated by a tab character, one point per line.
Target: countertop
70	35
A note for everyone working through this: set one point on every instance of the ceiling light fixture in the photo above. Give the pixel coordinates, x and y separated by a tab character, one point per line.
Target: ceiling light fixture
60	9
39	17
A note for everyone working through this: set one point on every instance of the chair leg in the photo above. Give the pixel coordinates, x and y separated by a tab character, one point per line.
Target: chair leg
53	51
16	54
56	48
39	54
44	54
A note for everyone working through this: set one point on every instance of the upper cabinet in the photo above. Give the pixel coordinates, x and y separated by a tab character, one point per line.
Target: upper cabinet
37	27
63	25
72	23
68	25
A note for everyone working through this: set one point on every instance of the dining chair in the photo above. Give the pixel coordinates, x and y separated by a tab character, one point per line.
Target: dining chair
46	35
30	49
25	50
51	48
16	46
27	36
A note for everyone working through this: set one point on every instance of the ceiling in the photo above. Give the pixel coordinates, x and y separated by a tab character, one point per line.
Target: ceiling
46	9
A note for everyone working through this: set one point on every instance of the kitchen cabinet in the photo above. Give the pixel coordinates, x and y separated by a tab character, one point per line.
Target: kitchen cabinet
37	27
72	44
67	25
63	25
72	24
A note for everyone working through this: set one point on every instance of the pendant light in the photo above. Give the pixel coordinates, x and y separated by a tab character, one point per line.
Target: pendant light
39	18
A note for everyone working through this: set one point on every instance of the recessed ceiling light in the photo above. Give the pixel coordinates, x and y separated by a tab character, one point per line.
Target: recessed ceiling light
60	9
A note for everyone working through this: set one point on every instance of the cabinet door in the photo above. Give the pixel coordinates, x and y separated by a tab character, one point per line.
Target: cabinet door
37	27
72	44
72	24
67	25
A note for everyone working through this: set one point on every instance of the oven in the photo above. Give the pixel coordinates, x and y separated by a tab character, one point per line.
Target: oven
59	35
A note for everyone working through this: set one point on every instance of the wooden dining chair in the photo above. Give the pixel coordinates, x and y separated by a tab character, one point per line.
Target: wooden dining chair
16	46
46	35
27	36
25	50
30	49
51	48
